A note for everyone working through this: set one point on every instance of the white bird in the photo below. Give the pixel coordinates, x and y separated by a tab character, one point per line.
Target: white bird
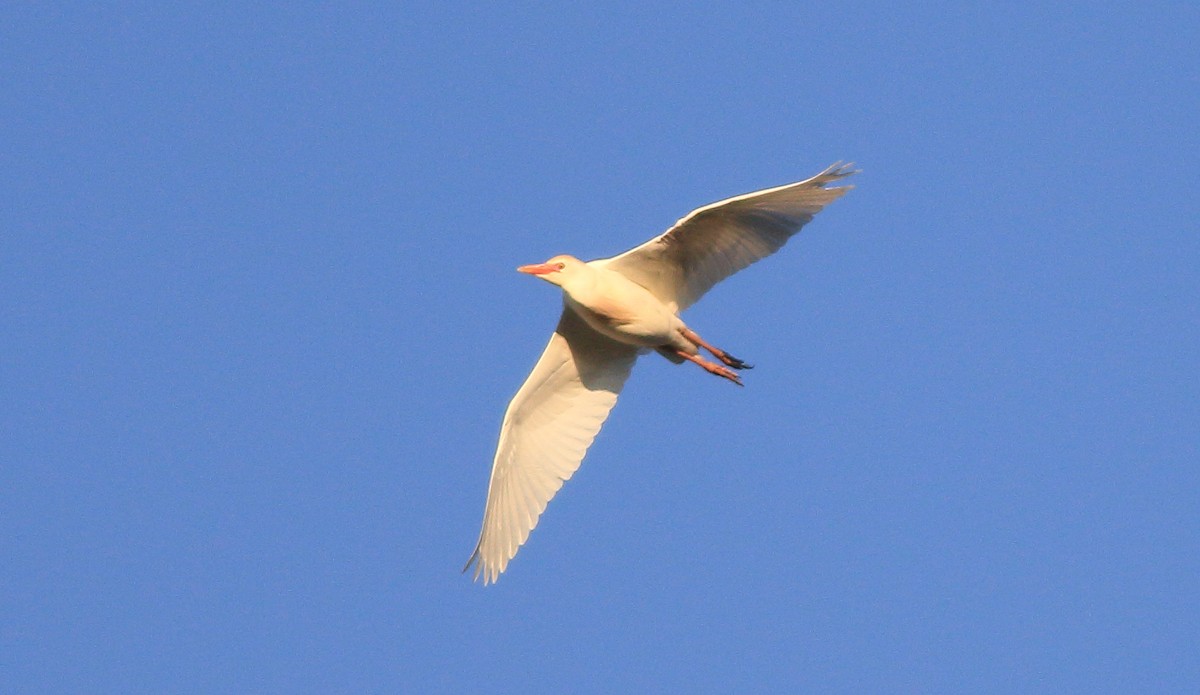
614	309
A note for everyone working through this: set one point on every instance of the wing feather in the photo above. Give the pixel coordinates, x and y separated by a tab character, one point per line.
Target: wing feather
547	429
715	241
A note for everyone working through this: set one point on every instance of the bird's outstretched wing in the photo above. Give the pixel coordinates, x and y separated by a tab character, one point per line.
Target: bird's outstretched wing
547	429
717	240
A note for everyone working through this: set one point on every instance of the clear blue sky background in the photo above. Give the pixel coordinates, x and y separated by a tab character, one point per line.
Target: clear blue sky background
260	322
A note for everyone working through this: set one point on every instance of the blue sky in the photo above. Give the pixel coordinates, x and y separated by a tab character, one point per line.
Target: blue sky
261	322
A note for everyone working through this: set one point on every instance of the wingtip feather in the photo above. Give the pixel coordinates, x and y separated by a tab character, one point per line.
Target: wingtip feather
489	573
470	561
834	172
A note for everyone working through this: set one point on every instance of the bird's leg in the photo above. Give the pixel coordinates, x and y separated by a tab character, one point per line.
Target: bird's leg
711	367
717	352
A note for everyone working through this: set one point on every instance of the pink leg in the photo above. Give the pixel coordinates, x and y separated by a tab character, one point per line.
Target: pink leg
711	367
728	359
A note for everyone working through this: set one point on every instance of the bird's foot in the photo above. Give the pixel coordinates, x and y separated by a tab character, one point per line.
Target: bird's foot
712	367
728	359
731	375
722	372
734	362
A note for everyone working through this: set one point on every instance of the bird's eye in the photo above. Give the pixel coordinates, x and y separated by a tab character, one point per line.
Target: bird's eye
561	265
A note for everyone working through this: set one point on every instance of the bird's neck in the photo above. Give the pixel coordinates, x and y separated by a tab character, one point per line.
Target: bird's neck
582	286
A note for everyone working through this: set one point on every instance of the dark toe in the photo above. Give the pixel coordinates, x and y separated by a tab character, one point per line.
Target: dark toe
736	363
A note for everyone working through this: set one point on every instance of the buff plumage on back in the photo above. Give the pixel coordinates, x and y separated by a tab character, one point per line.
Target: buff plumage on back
547	429
715	241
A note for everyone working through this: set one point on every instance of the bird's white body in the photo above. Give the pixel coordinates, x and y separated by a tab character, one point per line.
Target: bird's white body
614	309
621	309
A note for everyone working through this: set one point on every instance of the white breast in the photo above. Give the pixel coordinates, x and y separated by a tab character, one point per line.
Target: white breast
622	309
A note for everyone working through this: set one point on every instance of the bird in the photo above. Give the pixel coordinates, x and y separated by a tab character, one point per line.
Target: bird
615	309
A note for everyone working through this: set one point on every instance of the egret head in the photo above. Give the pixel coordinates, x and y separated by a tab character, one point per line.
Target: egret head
556	271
